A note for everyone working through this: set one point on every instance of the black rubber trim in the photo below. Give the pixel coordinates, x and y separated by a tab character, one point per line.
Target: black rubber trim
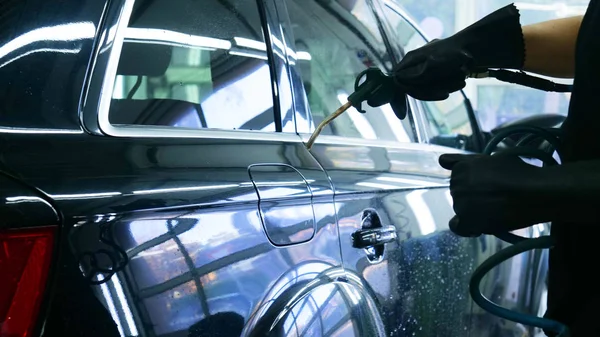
262	10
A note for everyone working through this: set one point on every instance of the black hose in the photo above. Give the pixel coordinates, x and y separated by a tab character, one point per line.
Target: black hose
529	81
519	244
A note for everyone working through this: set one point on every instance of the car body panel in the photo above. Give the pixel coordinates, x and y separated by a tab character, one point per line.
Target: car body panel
46	64
147	202
422	279
243	232
23	206
150	199
330	301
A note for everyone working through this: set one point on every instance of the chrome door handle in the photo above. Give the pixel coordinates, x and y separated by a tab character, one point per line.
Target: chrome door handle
366	238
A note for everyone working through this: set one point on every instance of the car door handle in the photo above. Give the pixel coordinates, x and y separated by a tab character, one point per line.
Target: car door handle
366	238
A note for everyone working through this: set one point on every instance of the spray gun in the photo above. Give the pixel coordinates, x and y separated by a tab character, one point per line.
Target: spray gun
374	87
377	89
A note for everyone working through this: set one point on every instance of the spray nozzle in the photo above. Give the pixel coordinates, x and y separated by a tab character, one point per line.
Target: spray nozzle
377	89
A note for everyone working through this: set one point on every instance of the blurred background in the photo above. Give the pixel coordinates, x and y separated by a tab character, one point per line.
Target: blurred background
494	101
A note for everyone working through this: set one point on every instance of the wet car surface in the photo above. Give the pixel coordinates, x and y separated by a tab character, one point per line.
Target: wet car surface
156	151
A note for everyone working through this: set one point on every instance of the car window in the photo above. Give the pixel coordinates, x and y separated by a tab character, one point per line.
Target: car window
442	118
194	64
335	41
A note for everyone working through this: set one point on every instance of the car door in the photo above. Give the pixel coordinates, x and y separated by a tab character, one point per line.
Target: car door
388	186
391	196
186	210
520	284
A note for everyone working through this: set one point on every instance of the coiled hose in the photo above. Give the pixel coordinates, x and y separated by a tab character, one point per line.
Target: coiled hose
519	244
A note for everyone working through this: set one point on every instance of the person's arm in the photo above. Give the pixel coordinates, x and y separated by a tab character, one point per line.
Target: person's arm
550	47
498	40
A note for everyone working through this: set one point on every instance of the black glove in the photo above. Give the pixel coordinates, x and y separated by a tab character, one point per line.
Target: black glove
494	194
439	68
500	193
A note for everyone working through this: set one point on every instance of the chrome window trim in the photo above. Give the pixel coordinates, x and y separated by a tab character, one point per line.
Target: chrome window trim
110	74
347	141
140	131
416	106
279	54
94	114
299	104
415	112
421	120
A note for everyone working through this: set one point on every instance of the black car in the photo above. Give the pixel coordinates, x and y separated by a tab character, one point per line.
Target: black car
155	179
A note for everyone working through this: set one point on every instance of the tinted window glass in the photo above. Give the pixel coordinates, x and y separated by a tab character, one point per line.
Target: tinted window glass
499	104
448	117
335	41
194	64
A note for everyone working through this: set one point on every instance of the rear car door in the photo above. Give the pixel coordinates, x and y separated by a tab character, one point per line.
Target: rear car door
233	217
185	210
391	196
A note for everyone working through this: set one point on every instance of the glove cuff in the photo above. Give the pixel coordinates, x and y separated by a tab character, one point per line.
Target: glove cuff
495	41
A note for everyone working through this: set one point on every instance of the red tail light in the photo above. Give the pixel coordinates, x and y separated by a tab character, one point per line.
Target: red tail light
25	257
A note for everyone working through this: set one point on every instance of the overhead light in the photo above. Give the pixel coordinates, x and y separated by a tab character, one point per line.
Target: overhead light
124	305
249	43
377	186
85	195
5	129
303	55
66	32
20	199
395	124
185	189
42	50
111	304
277	43
256	56
411	182
174	38
421	211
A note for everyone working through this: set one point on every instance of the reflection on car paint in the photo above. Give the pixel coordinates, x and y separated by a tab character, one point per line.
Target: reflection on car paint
45	40
319	307
422	283
187	215
185	267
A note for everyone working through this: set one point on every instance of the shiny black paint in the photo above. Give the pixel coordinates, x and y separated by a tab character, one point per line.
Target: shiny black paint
406	188
189	217
43	80
298	198
152	183
23	206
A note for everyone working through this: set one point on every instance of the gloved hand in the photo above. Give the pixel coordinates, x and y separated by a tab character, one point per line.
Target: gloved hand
494	194
439	68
